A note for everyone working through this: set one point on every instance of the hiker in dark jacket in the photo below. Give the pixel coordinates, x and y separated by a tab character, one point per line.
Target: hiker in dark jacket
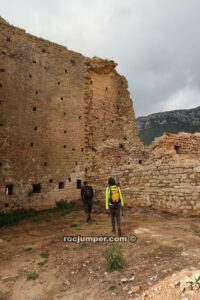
87	197
114	201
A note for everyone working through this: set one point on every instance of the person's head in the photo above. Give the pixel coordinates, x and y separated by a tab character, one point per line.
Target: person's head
111	181
85	182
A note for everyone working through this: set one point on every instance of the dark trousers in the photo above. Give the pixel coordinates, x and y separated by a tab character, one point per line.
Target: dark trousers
115	213
87	205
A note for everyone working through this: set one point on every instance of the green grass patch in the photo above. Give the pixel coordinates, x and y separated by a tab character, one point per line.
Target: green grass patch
28	249
32	276
43	262
176	269
114	258
61	208
44	254
112	287
73	225
16	216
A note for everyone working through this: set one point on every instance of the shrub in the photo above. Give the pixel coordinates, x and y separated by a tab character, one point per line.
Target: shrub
62	208
43	262
44	254
32	276
114	258
16	216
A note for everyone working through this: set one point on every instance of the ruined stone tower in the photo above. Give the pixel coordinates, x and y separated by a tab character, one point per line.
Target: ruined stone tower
56	108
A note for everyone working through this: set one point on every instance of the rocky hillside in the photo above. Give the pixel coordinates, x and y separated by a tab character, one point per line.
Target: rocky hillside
155	125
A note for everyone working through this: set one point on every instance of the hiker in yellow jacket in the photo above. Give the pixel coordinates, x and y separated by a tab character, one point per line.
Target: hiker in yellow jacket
113	201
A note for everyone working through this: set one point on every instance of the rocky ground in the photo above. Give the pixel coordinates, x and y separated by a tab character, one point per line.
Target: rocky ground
163	263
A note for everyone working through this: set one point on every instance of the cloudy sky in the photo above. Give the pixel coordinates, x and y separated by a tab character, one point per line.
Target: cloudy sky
156	43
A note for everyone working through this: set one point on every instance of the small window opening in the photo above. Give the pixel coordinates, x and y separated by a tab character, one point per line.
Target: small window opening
65	131
64	114
61	98
50	180
76	163
45	163
43	50
36	92
31	144
1	124
1	85
8	39
9	189
6	205
61	185
30	76
140	161
36	188
177	148
85	170
82	149
78	184
58	82
64	146
79	117
34	108
106	88
0	164
91	82
73	149
65	70
35	128
69	179
2	70
34	61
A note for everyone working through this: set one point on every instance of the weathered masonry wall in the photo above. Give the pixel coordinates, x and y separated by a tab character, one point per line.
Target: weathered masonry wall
56	108
170	179
166	177
42	120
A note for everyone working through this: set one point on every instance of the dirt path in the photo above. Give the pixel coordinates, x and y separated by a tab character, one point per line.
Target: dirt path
166	245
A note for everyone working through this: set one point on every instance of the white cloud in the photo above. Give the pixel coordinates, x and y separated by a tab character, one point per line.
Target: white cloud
155	42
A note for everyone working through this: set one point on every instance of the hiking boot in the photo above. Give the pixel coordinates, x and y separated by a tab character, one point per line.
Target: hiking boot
114	230
119	232
88	218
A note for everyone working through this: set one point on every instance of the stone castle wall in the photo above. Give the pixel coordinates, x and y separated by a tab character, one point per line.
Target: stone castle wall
56	106
166	177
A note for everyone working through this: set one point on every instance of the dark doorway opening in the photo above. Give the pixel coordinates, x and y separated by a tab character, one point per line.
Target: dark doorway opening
9	189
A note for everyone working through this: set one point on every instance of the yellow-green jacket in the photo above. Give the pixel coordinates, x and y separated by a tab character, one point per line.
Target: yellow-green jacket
108	196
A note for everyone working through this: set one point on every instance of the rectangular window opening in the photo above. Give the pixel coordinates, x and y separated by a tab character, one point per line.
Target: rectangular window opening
177	148
140	161
9	189
78	184
36	188
61	185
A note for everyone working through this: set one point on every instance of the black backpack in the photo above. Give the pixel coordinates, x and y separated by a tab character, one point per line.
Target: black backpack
87	192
